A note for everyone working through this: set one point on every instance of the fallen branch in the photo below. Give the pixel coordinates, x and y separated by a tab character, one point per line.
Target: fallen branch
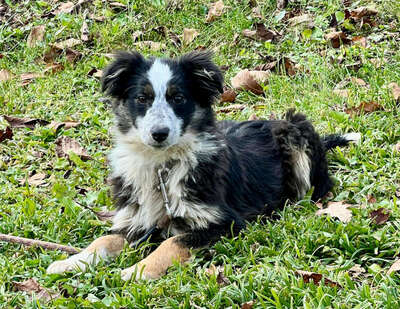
34	242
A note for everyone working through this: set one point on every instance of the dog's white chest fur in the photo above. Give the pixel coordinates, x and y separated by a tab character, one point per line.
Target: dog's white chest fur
138	164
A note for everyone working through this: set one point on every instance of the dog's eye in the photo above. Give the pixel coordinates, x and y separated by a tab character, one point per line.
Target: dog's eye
179	99
141	99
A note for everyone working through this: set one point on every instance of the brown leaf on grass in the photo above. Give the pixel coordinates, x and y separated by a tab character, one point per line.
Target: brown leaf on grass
99	19
248	305
396	147
380	215
67	43
395	90
359	40
53	68
260	33
337	209
26	78
253	117
5	75
215	10
356	271
363	12
337	38
344	93
55	125
266	66
231	108
301	19
7	133
189	35
95	73
85	31
290	66
33	288
36	35
25	122
316	278
358	81
72	55
394	268
281	4
64	7
218	271
66	145
154	46
117	5
175	39
228	95
256	12
371	199
250	80
35	180
364	107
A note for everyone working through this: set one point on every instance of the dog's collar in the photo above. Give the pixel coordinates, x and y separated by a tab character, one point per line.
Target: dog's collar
162	173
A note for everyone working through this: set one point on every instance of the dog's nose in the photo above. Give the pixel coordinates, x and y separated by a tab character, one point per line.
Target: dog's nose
160	134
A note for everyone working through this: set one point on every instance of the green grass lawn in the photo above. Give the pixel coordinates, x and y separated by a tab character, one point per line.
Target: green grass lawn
259	265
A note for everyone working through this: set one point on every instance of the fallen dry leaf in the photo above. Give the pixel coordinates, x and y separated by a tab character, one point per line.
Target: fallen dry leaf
395	90
64	7
85	31
261	33
371	199
248	305
95	73
99	19
290	66
281	4
253	117
117	5
364	107
359	40
250	80
35	180
5	75
175	39
72	55
53	68
24	122
395	267
36	35
380	215
337	209
266	66
336	38
55	125
6	134
67	43
231	108
358	81
136	35
66	145
26	78
218	271
189	35
363	12
301	19
341	92
256	12
105	215
228	95
396	147
154	46
356	271
316	278
32	287
215	10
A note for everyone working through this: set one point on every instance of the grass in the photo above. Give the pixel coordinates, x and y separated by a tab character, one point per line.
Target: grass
260	264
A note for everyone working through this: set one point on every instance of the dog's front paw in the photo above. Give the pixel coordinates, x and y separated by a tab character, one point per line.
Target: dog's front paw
139	271
76	262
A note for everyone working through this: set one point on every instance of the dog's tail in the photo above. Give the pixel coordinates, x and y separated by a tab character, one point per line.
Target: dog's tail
334	140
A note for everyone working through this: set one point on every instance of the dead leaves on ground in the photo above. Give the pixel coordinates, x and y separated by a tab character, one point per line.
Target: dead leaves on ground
36	35
338	210
5	75
215	10
250	80
33	288
364	107
189	35
25	122
379	216
228	95
5	134
66	145
316	278
261	33
218	272
395	88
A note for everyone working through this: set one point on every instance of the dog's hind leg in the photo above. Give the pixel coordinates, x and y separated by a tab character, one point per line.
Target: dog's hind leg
104	247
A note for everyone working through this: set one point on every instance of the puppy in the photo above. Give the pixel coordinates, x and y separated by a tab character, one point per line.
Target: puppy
181	176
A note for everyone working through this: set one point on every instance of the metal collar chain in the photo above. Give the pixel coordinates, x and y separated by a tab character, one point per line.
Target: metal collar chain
162	175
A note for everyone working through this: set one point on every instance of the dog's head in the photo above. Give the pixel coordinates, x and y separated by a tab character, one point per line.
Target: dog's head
156	101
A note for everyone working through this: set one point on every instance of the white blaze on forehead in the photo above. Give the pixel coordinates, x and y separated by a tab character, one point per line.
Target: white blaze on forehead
159	75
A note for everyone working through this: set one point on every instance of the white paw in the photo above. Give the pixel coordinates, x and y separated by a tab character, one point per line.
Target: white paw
75	262
354	137
136	271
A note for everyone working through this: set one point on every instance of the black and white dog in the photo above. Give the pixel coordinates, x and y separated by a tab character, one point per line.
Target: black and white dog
181	176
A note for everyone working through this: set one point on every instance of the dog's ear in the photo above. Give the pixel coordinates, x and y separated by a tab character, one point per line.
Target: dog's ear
205	78
119	75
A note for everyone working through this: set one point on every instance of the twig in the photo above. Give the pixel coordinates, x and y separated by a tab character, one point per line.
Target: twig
40	243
